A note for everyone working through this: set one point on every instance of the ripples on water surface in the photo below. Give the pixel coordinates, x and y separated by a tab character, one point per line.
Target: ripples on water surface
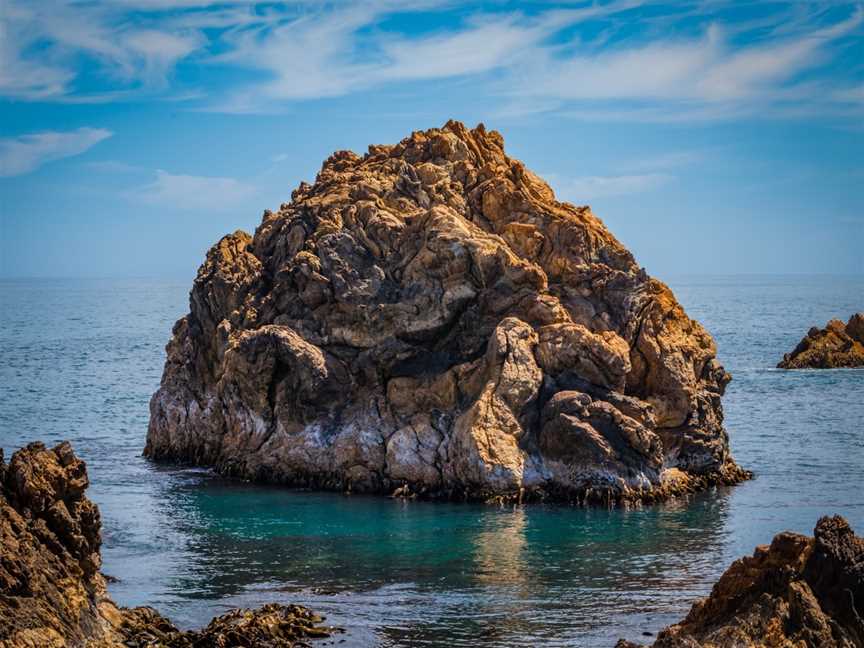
79	360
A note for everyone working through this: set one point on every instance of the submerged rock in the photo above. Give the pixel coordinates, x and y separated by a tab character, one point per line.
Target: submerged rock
428	317
52	594
837	345
799	591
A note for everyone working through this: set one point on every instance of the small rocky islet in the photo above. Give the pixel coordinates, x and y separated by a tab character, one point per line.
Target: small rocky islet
799	591
428	319
836	346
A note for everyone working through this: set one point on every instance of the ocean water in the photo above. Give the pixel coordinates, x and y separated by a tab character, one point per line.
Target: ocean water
80	359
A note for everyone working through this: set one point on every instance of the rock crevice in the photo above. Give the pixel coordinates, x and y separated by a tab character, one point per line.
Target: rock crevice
429	317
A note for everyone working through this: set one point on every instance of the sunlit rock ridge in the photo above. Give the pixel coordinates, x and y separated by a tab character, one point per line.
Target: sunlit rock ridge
429	318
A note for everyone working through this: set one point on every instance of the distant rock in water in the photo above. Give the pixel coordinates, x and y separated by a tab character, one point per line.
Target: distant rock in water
428	318
837	345
799	591
52	594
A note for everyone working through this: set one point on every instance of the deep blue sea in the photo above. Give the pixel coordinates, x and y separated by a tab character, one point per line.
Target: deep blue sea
79	360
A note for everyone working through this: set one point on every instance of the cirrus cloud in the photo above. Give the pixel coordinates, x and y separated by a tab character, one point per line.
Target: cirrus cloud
631	60
26	153
581	189
195	193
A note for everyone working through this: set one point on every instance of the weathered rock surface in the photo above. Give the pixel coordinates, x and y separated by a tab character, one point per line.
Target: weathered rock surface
271	626
429	317
52	594
837	345
798	592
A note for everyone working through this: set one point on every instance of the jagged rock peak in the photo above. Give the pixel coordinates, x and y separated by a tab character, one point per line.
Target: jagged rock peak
429	317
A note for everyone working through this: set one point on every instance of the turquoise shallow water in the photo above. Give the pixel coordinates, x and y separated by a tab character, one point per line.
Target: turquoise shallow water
79	360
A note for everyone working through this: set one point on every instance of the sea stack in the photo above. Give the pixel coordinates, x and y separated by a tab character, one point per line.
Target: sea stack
797	591
427	317
835	346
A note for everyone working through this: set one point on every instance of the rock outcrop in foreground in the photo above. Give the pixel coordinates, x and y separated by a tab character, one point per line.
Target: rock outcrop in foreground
799	591
837	345
429	318
52	594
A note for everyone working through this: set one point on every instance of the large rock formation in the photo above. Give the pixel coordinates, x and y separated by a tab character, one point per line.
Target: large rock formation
429	317
798	592
837	345
52	594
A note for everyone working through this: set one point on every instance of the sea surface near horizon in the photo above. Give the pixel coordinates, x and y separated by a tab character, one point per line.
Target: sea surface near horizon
79	360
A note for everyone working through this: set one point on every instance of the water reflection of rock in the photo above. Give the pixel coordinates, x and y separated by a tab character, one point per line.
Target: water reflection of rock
580	571
425	572
499	547
560	575
502	574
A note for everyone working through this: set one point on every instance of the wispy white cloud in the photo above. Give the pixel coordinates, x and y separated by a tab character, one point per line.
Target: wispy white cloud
706	76
195	193
304	58
581	189
20	77
484	45
324	55
653	71
41	45
752	70
159	51
692	61
25	153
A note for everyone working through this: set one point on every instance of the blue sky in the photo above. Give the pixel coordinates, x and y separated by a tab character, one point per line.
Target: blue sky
711	136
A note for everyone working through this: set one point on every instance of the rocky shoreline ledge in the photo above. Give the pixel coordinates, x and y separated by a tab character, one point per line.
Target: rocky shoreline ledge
428	319
836	346
797	591
52	594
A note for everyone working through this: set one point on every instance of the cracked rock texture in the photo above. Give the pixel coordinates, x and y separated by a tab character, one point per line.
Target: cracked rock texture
837	345
52	594
429	318
799	592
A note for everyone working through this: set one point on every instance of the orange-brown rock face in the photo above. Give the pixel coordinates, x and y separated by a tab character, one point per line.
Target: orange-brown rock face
52	594
798	592
837	345
429	317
